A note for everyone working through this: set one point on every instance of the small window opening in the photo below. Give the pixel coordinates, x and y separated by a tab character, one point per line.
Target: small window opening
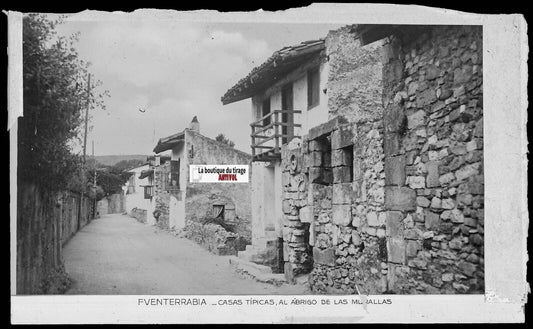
266	110
313	87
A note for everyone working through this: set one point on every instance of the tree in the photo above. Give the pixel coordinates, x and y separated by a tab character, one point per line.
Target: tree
54	96
128	164
111	181
221	138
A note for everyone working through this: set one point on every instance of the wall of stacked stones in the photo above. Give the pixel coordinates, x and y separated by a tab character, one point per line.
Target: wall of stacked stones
348	215
162	197
139	214
111	204
339	168
297	254
434	161
116	203
350	245
215	238
355	73
200	197
235	197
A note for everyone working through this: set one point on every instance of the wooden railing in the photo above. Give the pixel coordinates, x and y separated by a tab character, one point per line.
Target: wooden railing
260	135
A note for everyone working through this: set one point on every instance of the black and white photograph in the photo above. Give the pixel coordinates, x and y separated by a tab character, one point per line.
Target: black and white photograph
195	161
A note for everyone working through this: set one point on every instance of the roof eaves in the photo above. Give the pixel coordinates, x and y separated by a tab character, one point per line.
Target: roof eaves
168	143
243	85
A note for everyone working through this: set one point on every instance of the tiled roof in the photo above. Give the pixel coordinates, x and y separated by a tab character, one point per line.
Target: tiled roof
167	143
280	63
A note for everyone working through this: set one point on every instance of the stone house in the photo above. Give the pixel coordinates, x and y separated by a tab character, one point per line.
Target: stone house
385	194
177	200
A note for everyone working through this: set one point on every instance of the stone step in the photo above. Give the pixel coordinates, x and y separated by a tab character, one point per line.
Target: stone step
243	254
255	250
250	254
257	254
242	263
271	235
258	272
263	242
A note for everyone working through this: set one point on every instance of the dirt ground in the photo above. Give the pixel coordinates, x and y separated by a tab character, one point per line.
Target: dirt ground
115	254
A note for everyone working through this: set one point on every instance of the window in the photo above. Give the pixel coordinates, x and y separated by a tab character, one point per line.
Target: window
174	175
218	211
148	191
131	184
313	87
265	109
287	98
347	153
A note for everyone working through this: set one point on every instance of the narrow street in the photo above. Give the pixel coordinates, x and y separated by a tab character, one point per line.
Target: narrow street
116	254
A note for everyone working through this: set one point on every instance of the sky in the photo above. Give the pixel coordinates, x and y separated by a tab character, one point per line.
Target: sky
174	70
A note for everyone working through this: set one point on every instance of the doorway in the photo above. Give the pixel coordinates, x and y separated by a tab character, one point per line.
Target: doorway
287	115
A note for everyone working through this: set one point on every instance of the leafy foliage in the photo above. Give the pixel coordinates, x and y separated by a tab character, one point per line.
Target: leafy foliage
55	96
222	138
111	180
128	164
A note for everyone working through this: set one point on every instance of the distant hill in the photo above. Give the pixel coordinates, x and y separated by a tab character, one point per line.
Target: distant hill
110	160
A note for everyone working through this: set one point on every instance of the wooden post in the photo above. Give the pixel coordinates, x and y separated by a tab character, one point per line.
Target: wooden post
276	130
80	208
253	141
93	212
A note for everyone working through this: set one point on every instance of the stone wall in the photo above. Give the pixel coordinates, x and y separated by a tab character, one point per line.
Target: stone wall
297	254
389	192
139	214
200	197
347	179
161	195
434	160
116	203
354	85
344	157
215	238
111	204
102	207
45	222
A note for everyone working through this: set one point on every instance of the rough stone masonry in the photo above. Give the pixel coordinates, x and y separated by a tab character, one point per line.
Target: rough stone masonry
387	196
433	96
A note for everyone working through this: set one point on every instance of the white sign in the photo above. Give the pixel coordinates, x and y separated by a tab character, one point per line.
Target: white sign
218	173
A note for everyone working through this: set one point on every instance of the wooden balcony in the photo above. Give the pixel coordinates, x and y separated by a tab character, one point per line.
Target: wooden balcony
270	132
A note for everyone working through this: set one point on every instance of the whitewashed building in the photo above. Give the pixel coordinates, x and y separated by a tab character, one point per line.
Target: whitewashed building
139	194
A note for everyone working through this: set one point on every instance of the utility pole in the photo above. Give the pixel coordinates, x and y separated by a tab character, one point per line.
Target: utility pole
94	168
94	183
83	178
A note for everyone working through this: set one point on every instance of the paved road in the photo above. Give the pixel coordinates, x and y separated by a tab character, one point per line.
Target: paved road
115	254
